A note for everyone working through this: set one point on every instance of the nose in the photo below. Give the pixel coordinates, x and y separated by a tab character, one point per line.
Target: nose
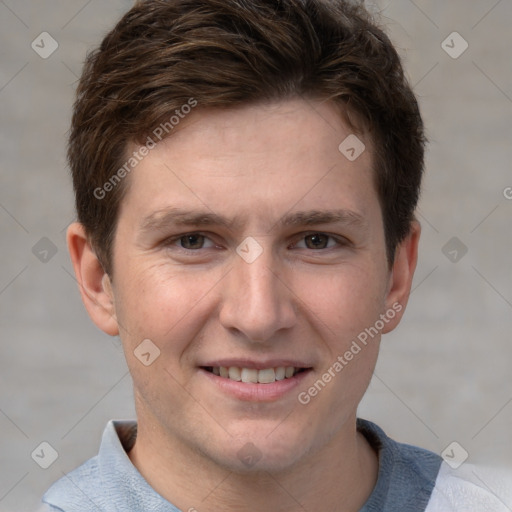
256	301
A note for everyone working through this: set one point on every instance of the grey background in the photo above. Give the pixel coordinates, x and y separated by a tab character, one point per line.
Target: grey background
443	375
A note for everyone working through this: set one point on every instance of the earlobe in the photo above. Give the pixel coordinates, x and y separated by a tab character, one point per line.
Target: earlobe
402	274
94	283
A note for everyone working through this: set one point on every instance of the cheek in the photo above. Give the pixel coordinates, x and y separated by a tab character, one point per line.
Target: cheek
344	309
164	303
344	301
169	308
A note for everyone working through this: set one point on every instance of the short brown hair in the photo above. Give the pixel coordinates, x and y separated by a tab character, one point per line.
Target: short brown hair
163	54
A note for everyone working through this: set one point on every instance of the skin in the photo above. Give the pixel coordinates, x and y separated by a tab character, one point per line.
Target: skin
297	300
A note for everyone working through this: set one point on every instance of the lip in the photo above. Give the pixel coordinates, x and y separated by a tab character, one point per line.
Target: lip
251	392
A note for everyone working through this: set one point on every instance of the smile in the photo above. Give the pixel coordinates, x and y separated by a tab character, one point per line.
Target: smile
253	375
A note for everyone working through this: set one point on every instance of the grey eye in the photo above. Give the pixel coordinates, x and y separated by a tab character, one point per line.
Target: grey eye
193	241
316	241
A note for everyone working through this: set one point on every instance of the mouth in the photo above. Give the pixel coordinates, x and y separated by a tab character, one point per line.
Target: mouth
254	375
249	380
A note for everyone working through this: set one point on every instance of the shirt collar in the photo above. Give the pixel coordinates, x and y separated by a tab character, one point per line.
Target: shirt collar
121	476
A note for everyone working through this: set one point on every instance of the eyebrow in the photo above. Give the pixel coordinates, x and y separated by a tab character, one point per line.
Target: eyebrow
179	217
161	219
314	217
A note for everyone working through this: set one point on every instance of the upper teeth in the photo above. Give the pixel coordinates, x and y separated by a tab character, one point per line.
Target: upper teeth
265	376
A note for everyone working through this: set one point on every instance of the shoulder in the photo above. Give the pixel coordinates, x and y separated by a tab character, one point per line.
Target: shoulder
101	481
74	490
471	488
414	479
407	474
400	460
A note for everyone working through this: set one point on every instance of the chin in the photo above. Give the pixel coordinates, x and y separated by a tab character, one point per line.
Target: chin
263	452
253	461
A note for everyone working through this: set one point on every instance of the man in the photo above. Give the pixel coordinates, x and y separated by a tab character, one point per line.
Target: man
246	175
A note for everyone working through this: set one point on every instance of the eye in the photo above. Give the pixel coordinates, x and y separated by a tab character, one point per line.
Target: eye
317	241
194	241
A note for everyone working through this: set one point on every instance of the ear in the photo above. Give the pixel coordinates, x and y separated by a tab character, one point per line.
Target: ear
402	273
94	282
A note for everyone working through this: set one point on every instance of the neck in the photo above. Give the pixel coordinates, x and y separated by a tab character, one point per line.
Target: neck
339	476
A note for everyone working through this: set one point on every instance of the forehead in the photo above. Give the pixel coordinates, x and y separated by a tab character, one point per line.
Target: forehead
291	126
258	160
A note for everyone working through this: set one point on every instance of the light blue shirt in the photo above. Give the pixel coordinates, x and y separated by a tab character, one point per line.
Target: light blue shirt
109	482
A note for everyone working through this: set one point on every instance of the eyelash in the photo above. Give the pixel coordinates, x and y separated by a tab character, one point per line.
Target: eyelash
339	241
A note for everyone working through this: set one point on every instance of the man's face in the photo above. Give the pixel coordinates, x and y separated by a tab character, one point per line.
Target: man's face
248	240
